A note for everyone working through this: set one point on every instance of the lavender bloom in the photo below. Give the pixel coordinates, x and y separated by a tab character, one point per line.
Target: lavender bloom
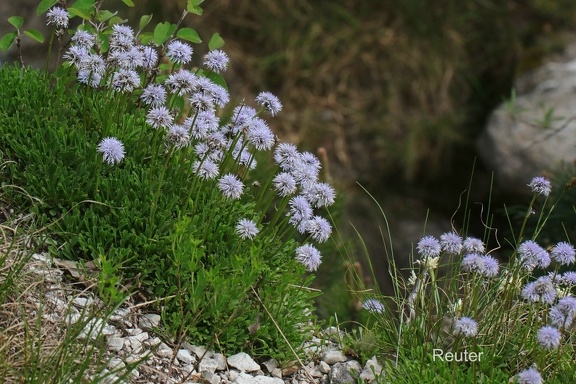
540	185
270	102
149	57
89	78
532	255
491	266
92	63
129	59
259	135
83	39
285	184
562	315
216	60
320	194
373	305
429	246
154	95
529	376
181	82
76	54
159	117
563	253
569	278
309	256
548	337
472	262
112	150
246	229
304	174
201	101
220	96
58	17
231	186
206	123
541	290
178	52
206	169
451	243
286	156
465	326
125	80
178	136
300	212
319	228
121	38
473	245
241	116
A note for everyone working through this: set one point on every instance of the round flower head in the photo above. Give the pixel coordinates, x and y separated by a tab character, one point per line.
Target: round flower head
541	290
473	245
300	212
76	54
92	63
125	80
84	39
429	246
320	194
220	96
246	229
206	169
179	52
128	59
373	305
112	150
529	376
89	78
177	136
563	253
154	95
451	243
259	135
319	228
181	82
216	60
491	266
562	315
201	101
472	262
548	337
58	17
285	184
159	117
466	327
286	155
270	102
231	186
569	278
309	256
540	185
150	58
532	255
121	38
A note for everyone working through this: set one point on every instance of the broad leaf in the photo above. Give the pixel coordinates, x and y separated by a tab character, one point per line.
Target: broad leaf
144	20
16	21
189	34
105	15
35	34
7	40
214	77
44	6
129	3
216	41
161	33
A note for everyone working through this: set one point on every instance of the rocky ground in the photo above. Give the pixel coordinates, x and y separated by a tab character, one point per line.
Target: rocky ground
132	334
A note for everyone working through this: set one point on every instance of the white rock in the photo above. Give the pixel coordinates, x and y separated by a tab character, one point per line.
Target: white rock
134	331
149	321
220	360
184	356
134	344
199	351
154	341
371	369
244	378
271	364
94	328
120	314
210	377
208	365
332	357
115	343
243	362
116	364
42	258
276	372
82	302
324	367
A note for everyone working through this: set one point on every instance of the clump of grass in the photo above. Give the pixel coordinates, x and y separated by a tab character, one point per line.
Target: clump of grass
466	313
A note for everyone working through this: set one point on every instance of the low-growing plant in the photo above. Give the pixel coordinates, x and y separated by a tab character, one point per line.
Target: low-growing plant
466	313
142	164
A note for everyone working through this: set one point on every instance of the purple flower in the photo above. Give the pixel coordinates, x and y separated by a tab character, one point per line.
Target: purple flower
216	60
121	38
309	256
220	96
206	169
270	102
563	253
128	59
540	185
112	150
529	376
259	135
284	183
473	245
83	39
548	337
231	186
89	78
76	54
92	63
181	82
286	155
429	246
319	194
149	57
373	305
201	101
246	229
491	266
541	290
472	262
569	278
300	212
177	136
205	123
179	52
58	17
319	228
532	255
451	243
562	315
154	95
125	80
159	117
465	326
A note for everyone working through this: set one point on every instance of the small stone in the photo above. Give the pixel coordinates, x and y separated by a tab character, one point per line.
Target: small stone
243	362
115	343
200	352
341	374
120	314
154	341
116	364
220	360
149	321
208	365
210	377
187	369
134	344
271	364
244	378
332	357
372	370
82	302
134	331
164	352
184	356
276	372
324	367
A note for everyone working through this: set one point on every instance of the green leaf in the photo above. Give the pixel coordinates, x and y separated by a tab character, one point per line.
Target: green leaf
105	15
35	34
196	10
190	35
193	6
146	37
161	33
144	20
216	41
7	40
128	3
83	8
214	77
44	6
16	21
